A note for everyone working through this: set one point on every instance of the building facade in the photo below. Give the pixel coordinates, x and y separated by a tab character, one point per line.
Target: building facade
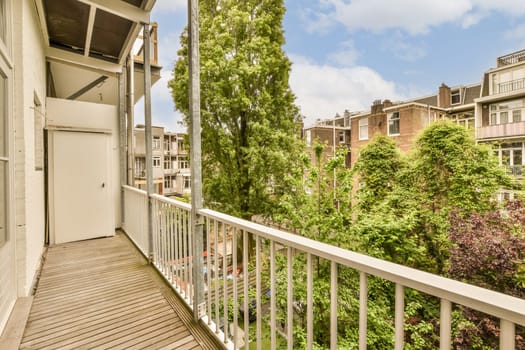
171	164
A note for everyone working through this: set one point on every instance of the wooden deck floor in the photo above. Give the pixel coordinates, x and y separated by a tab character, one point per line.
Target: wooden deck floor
101	294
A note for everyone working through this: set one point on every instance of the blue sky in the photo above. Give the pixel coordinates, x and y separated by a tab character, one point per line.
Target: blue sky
347	53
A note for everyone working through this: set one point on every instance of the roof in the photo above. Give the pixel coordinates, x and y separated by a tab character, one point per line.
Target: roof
95	33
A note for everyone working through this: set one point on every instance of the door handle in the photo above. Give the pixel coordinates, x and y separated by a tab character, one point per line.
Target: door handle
103	185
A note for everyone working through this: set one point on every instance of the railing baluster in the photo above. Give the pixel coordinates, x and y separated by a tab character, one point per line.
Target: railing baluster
246	276
179	250
216	281
258	291
235	292
333	305
273	321
445	321
225	282
363	310
507	337
289	299
191	255
170	240
208	267
400	317
309	303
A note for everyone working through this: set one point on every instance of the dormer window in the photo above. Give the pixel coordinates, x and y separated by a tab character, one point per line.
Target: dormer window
455	97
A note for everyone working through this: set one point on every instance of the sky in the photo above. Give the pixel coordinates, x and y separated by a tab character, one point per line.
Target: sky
347	53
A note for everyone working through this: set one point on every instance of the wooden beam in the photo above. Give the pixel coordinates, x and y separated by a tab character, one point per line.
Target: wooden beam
42	17
88	87
63	56
121	9
89	34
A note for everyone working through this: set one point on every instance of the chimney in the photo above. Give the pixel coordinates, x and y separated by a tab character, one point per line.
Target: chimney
444	96
377	107
387	103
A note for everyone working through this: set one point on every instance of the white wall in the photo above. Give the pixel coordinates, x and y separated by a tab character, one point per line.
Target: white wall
29	183
86	115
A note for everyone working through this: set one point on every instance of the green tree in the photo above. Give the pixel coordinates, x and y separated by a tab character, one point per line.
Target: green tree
250	148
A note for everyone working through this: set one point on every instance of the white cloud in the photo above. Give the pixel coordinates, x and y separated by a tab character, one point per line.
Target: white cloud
411	16
403	49
347	56
324	90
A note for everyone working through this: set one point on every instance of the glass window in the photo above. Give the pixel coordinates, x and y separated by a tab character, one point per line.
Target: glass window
3	119
156	142
3	202
517	157
363	129
505	157
187	182
156	162
504	117
516	116
341	137
308	137
455	97
493	119
393	124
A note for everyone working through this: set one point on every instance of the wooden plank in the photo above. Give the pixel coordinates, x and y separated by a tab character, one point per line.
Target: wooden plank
14	329
102	293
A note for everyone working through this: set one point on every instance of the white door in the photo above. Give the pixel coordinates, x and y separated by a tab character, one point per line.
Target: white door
80	186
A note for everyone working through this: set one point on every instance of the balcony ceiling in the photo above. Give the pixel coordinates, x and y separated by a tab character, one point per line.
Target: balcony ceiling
94	33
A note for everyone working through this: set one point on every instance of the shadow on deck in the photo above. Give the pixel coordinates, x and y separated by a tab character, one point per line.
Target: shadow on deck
101	294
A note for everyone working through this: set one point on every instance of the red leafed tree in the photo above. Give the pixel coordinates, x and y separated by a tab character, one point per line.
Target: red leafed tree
489	251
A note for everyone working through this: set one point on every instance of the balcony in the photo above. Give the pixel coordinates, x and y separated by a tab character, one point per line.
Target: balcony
228	278
512	58
510	86
502	131
103	294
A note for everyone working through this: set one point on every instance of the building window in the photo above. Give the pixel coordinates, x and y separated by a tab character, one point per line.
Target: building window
510	156
455	97
167	183
187	182
393	124
308	137
183	163
167	164
156	142
363	129
156	162
341	137
506	112
180	145
465	120
38	124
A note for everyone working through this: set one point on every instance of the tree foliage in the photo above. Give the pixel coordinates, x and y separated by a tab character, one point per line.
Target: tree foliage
249	120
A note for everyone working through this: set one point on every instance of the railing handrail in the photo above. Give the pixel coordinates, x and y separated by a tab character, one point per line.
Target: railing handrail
174	202
134	189
494	303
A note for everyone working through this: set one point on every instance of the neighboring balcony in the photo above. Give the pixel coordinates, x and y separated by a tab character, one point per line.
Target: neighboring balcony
510	86
512	58
501	130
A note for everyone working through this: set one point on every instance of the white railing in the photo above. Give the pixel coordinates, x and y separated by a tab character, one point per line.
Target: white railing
135	221
502	130
240	254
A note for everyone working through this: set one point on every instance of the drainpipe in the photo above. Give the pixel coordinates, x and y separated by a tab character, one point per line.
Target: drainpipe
131	117
122	138
148	137
195	159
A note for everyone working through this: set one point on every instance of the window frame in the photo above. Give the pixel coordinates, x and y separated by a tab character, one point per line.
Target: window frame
6	74
360	129
390	118
156	162
156	143
455	93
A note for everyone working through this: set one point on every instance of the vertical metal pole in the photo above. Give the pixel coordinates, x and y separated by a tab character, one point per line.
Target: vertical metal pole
195	154
335	170
131	117
122	138
445	325
148	136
